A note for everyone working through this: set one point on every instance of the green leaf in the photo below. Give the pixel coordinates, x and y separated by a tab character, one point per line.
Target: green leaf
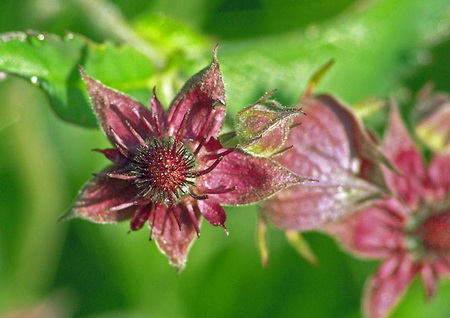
373	48
51	63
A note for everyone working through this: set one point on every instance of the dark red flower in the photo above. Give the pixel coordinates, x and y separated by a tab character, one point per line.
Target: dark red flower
410	231
170	169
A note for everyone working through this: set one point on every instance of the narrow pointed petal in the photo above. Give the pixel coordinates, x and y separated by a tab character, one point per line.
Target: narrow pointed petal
429	278
212	212
375	232
101	194
331	146
113	109
387	286
172	241
158	110
400	149
113	155
439	171
204	96
255	179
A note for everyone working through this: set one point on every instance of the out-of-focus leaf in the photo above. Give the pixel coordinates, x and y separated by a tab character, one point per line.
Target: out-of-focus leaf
170	36
372	51
52	63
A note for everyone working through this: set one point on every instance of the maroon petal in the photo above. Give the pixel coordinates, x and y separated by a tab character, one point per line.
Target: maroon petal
442	266
101	194
332	147
113	155
114	109
414	181
310	206
253	178
212	212
375	232
158	111
171	240
439	172
429	278
386	287
204	97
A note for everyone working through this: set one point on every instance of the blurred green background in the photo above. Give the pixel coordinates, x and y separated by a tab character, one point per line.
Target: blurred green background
78	269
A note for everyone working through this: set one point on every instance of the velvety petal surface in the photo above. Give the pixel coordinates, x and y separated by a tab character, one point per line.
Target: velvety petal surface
204	97
158	111
429	279
212	212
439	172
332	147
386	287
171	240
310	206
255	179
442	267
413	181
114	109
375	232
101	194
331	138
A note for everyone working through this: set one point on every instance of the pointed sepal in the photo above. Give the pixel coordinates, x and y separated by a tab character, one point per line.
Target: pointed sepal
203	96
118	114
262	128
174	231
252	179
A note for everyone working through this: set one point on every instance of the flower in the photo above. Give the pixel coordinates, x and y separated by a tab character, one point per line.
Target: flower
333	147
170	170
410	231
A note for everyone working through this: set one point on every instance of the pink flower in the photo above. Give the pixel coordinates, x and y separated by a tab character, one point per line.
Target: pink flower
331	146
170	170
410	231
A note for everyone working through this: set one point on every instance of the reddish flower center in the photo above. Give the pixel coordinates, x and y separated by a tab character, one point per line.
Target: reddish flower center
435	232
164	168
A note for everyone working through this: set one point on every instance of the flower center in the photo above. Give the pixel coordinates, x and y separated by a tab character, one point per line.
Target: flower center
164	169
435	232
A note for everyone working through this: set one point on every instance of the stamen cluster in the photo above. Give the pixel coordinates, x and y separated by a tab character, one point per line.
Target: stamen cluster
164	170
